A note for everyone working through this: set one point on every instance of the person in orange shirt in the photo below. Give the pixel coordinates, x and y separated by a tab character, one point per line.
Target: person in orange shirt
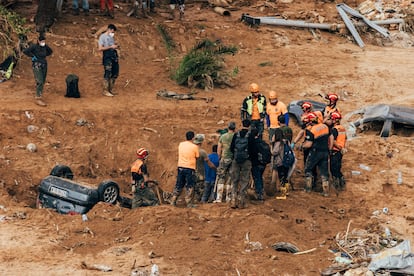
331	107
187	155
254	109
274	109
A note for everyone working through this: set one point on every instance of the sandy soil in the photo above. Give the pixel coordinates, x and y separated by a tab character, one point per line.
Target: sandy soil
209	239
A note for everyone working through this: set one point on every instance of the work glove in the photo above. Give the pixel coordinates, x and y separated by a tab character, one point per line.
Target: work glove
292	145
34	58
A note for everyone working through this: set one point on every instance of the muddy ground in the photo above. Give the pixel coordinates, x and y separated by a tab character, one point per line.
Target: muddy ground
209	239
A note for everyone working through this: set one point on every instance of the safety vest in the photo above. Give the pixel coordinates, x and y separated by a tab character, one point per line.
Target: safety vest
341	139
329	110
319	130
136	166
259	104
320	116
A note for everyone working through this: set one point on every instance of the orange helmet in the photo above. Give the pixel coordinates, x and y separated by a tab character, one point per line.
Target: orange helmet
332	97
336	115
306	106
272	95
142	153
254	87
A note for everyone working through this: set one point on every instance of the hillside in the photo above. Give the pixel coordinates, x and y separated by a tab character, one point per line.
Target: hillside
209	239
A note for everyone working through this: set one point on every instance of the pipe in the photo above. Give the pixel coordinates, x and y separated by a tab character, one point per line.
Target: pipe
222	11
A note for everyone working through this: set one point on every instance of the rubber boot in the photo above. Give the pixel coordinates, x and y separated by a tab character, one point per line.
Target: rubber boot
189	198
111	86
336	185
342	183
233	202
174	200
228	192
39	101
287	186
308	184
105	91
242	202
220	189
325	187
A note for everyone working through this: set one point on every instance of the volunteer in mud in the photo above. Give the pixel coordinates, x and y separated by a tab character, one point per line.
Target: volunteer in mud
38	52
254	108
242	149
331	107
109	60
187	155
318	140
274	109
143	195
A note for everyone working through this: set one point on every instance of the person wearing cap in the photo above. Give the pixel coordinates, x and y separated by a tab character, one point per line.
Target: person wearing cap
38	53
254	108
223	179
143	194
319	141
187	155
274	109
107	45
200	171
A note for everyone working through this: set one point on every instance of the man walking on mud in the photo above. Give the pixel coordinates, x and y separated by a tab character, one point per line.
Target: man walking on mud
38	52
110	59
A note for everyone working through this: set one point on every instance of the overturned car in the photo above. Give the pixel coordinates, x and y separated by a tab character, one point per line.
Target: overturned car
388	116
295	109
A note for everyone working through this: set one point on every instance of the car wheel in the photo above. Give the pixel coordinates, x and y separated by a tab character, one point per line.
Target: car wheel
62	171
108	192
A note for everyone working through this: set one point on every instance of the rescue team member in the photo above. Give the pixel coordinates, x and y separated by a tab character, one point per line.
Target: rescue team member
38	52
339	142
109	60
254	108
187	155
143	195
107	8
274	109
223	170
319	140
331	107
307	107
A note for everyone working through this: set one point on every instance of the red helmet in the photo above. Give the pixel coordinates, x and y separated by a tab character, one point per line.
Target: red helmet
332	97
142	153
306	106
336	115
312	117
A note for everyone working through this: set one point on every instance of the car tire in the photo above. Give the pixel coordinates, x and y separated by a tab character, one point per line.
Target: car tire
108	192
62	171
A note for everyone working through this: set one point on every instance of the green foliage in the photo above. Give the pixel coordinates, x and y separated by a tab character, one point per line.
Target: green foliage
202	66
168	41
266	63
11	27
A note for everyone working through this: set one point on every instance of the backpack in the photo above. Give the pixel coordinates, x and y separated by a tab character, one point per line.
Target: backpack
241	148
288	156
72	90
264	156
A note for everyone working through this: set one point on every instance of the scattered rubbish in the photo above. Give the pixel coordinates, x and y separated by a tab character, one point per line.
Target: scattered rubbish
28	115
155	270
376	213
385	210
252	246
84	217
399	257
222	11
305	252
364	167
99	267
355	172
81	122
387	232
3	208
286	247
343	260
31	147
170	95
32	128
399	178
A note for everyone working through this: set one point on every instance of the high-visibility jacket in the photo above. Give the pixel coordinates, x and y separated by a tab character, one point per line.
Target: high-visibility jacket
329	110
341	138
320	133
249	105
136	166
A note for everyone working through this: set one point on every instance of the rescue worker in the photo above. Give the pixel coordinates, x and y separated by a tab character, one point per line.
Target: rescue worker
242	149
38	52
274	109
200	171
109	60
181	7
254	108
331	107
307	107
143	195
319	141
226	157
339	143
107	8
187	155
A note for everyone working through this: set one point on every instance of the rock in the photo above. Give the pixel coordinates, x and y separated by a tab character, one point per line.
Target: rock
31	147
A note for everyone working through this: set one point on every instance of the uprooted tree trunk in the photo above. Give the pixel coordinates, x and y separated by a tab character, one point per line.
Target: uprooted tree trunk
45	15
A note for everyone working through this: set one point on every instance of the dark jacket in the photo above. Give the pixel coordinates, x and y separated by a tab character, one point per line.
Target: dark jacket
38	53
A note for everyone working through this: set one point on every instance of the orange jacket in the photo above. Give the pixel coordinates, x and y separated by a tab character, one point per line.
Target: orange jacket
341	139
